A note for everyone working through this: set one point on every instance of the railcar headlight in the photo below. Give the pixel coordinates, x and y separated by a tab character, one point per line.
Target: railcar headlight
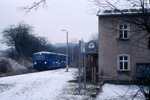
35	63
45	62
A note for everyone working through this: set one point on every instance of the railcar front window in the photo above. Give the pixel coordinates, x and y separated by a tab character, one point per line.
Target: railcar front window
40	57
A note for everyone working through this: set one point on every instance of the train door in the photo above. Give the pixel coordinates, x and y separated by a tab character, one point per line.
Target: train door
60	61
51	60
56	61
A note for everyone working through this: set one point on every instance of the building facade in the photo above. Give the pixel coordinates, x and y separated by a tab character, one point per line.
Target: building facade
122	46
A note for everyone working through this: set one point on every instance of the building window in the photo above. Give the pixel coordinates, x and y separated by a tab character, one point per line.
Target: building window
123	62
123	31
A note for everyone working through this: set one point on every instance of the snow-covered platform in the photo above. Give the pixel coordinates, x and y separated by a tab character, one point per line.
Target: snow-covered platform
46	85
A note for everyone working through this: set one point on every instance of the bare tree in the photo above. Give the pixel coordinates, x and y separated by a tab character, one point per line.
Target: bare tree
17	37
21	38
72	50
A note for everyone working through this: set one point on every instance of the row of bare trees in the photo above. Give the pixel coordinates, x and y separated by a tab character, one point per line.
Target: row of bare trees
23	42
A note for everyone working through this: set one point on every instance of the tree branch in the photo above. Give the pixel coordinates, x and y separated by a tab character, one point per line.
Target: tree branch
34	6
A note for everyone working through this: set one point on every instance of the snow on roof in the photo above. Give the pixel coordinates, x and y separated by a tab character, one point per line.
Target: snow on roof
45	52
122	11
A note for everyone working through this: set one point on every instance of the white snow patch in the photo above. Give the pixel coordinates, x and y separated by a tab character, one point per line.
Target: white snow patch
119	92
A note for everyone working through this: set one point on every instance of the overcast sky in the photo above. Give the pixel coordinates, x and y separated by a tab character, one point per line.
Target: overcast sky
72	15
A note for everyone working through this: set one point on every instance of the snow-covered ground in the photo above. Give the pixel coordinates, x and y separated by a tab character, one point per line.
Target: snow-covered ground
54	85
119	92
47	85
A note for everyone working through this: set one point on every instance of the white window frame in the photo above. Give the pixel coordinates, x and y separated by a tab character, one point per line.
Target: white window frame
123	32
123	60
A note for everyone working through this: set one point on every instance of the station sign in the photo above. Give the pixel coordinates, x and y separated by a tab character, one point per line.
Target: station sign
91	45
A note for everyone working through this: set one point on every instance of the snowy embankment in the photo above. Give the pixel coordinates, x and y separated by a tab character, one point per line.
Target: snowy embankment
119	92
11	64
16	66
47	85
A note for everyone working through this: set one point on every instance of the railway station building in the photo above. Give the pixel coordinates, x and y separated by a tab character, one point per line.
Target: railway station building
123	46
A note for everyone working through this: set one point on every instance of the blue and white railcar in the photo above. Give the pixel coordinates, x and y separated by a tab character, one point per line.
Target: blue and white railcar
48	60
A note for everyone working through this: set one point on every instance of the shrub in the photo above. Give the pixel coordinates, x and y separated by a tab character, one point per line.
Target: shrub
3	66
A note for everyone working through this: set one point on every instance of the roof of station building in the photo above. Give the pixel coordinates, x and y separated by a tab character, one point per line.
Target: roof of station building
116	12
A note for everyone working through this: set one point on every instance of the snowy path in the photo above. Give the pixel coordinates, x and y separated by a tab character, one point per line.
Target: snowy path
45	85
